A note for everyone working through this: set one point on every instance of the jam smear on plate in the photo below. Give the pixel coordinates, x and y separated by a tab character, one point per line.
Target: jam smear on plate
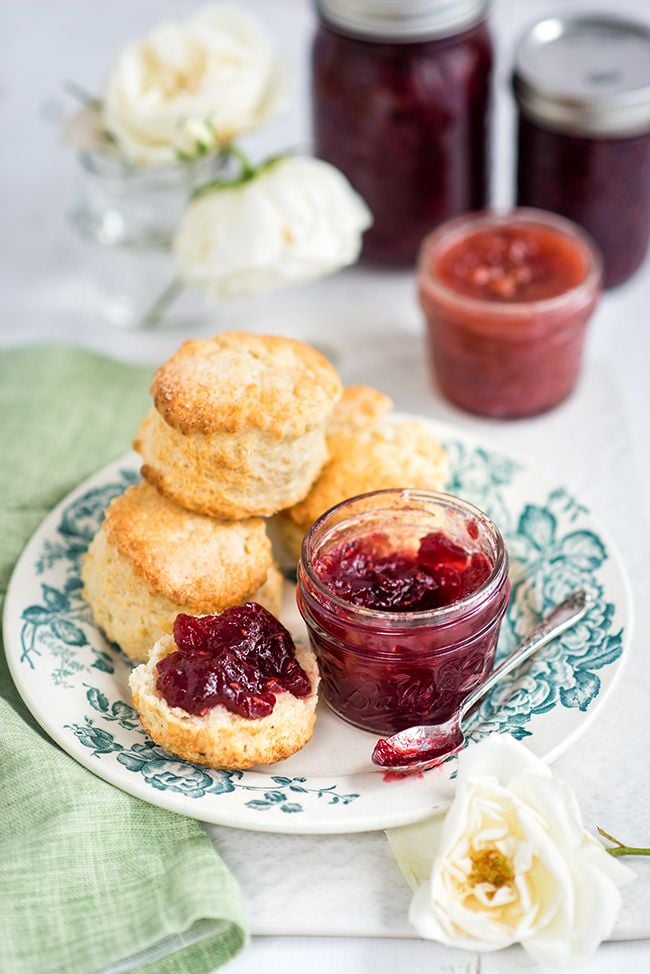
239	659
369	573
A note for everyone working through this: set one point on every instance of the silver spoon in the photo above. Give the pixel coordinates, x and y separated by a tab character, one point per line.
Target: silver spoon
423	747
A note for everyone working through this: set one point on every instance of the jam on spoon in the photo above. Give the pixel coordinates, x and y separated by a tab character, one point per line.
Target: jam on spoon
240	659
426	746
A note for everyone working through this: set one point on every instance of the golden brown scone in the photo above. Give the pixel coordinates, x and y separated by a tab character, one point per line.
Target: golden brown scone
151	560
359	406
396	453
221	739
239	424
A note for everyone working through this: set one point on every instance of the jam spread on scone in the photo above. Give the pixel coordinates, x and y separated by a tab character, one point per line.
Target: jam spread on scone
369	572
239	659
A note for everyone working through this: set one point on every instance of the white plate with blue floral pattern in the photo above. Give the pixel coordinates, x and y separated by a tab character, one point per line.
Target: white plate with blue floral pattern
76	683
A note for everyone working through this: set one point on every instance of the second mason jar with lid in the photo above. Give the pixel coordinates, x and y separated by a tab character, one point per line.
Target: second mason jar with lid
582	85
401	92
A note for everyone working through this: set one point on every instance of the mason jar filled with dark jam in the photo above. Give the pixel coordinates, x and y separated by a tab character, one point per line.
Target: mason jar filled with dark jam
401	95
582	86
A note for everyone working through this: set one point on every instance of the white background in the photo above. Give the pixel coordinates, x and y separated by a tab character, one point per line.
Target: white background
597	443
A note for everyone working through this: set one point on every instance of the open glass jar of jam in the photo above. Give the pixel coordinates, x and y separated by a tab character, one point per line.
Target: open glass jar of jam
582	86
400	105
507	297
403	593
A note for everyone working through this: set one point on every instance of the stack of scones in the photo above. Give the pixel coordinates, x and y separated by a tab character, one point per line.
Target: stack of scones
243	427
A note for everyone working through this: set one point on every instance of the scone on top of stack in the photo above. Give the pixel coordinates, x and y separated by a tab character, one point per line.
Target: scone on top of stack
152	560
214	725
368	451
239	424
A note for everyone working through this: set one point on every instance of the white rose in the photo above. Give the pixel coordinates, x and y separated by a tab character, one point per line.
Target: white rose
510	862
189	86
296	220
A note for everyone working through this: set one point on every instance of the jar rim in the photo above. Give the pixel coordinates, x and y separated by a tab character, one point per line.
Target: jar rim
401	21
404	620
449	233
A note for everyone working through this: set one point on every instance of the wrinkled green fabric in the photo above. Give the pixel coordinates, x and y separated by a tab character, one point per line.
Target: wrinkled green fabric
91	879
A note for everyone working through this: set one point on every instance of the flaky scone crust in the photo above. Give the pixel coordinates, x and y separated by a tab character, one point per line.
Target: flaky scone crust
236	381
358	407
195	561
397	453
222	739
229	475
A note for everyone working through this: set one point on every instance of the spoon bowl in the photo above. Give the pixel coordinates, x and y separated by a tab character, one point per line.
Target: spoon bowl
428	745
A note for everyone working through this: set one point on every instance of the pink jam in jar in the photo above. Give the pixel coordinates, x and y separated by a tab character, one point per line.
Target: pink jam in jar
401	96
507	297
403	593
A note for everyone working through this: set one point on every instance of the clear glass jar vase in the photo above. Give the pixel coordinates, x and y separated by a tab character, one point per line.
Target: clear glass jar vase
384	671
128	215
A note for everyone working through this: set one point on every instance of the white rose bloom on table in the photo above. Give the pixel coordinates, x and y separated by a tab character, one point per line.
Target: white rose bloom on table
293	220
510	862
189	86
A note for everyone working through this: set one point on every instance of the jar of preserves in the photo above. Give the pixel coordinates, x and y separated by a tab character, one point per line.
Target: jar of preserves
403	593
582	85
507	297
401	94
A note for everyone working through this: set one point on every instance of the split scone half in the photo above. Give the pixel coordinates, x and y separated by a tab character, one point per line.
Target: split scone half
151	560
238	425
220	737
368	451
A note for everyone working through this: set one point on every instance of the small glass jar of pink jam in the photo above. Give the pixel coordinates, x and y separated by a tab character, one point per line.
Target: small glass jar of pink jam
403	593
507	297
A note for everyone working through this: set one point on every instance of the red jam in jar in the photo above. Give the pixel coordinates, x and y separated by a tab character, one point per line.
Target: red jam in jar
240	659
582	85
403	593
507	298
401	105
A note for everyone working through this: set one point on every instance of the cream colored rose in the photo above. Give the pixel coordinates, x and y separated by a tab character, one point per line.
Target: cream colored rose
510	862
191	85
296	220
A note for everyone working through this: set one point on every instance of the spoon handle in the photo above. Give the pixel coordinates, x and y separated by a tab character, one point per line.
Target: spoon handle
563	616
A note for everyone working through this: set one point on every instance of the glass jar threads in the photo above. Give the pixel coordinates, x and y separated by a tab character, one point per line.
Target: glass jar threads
582	86
384	669
507	297
401	96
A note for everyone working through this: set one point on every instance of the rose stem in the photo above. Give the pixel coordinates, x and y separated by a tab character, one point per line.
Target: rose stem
156	312
620	849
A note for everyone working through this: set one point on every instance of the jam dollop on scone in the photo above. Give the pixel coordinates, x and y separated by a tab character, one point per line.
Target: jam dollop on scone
228	691
152	560
368	451
239	423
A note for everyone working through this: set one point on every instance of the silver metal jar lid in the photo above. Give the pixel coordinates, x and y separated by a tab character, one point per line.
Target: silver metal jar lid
587	75
401	20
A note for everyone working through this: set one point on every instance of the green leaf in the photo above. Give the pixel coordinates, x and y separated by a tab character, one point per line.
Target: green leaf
584	549
123	711
279	780
258	805
538	524
130	762
68	633
37	614
586	688
54	599
97	700
275	796
290	807
104	664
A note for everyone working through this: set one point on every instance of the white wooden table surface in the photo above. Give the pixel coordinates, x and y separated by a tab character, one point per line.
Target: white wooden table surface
597	443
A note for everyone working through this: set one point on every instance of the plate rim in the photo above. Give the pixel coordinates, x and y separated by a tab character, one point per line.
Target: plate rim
234	817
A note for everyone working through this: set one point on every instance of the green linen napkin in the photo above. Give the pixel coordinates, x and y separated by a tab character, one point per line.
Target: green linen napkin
91	879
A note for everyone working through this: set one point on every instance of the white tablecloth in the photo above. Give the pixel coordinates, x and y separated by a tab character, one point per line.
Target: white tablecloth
597	443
